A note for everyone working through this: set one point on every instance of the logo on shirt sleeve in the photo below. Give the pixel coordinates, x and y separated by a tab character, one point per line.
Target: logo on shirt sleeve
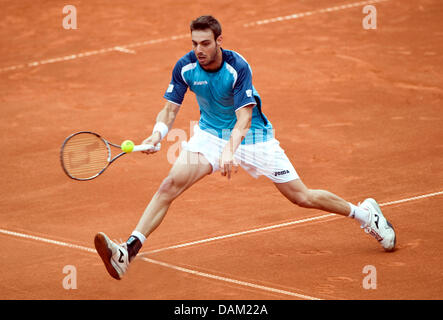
249	93
170	88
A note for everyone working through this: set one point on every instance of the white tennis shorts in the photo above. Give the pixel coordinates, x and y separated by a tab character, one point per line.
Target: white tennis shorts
263	158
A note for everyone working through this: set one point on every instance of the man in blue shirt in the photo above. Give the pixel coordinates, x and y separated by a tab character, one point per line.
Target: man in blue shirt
220	93
232	131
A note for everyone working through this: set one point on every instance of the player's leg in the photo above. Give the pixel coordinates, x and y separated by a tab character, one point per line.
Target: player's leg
269	159
368	214
296	192
189	168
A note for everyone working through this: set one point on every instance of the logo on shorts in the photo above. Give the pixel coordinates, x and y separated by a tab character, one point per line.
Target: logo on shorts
280	173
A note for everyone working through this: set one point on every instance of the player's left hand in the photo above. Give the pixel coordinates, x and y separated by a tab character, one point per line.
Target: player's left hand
227	164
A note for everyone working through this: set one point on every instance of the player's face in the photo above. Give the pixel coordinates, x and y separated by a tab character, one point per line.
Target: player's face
205	47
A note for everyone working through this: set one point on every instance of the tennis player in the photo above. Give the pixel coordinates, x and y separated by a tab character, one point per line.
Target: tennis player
232	131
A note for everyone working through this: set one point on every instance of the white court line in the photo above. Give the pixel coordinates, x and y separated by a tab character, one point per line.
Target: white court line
280	225
124	48
167	265
36	238
121	48
207	275
238	282
310	13
412	199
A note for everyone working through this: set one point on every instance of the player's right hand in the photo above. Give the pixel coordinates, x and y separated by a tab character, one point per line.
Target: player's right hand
154	139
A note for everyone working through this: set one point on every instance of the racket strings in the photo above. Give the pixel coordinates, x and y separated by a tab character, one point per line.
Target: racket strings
85	155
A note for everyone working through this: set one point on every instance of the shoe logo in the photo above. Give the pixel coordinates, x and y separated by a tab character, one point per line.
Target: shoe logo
376	220
120	259
376	235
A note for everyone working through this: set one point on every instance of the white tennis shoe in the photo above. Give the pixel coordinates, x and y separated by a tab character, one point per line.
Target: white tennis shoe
378	226
114	256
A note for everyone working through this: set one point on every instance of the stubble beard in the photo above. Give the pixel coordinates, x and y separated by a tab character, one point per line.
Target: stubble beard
210	59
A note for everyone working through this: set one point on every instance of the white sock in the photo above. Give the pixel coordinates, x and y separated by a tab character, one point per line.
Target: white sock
139	235
361	215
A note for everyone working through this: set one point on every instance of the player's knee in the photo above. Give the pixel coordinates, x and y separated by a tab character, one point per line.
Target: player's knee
302	199
168	188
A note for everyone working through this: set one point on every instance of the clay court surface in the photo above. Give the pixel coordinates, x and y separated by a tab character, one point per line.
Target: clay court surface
359	113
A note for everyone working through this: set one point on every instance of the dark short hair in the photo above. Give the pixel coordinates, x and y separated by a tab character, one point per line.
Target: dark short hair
207	22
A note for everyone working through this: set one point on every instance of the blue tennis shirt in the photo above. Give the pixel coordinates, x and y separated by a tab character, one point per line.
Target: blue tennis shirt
219	94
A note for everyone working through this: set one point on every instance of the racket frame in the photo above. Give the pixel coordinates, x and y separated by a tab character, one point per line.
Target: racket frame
107	144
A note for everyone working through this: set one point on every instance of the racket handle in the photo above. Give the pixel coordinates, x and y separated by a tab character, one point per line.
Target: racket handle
144	147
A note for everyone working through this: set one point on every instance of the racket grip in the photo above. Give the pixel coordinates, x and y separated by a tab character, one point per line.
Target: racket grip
144	147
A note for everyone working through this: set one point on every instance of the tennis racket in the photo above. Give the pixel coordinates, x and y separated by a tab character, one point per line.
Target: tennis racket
86	155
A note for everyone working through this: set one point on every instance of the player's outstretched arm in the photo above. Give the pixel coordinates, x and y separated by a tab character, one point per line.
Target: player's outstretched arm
165	120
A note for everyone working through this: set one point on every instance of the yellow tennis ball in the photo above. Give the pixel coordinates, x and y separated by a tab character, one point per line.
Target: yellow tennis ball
127	146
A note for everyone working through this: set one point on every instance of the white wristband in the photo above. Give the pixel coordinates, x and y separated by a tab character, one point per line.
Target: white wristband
162	128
